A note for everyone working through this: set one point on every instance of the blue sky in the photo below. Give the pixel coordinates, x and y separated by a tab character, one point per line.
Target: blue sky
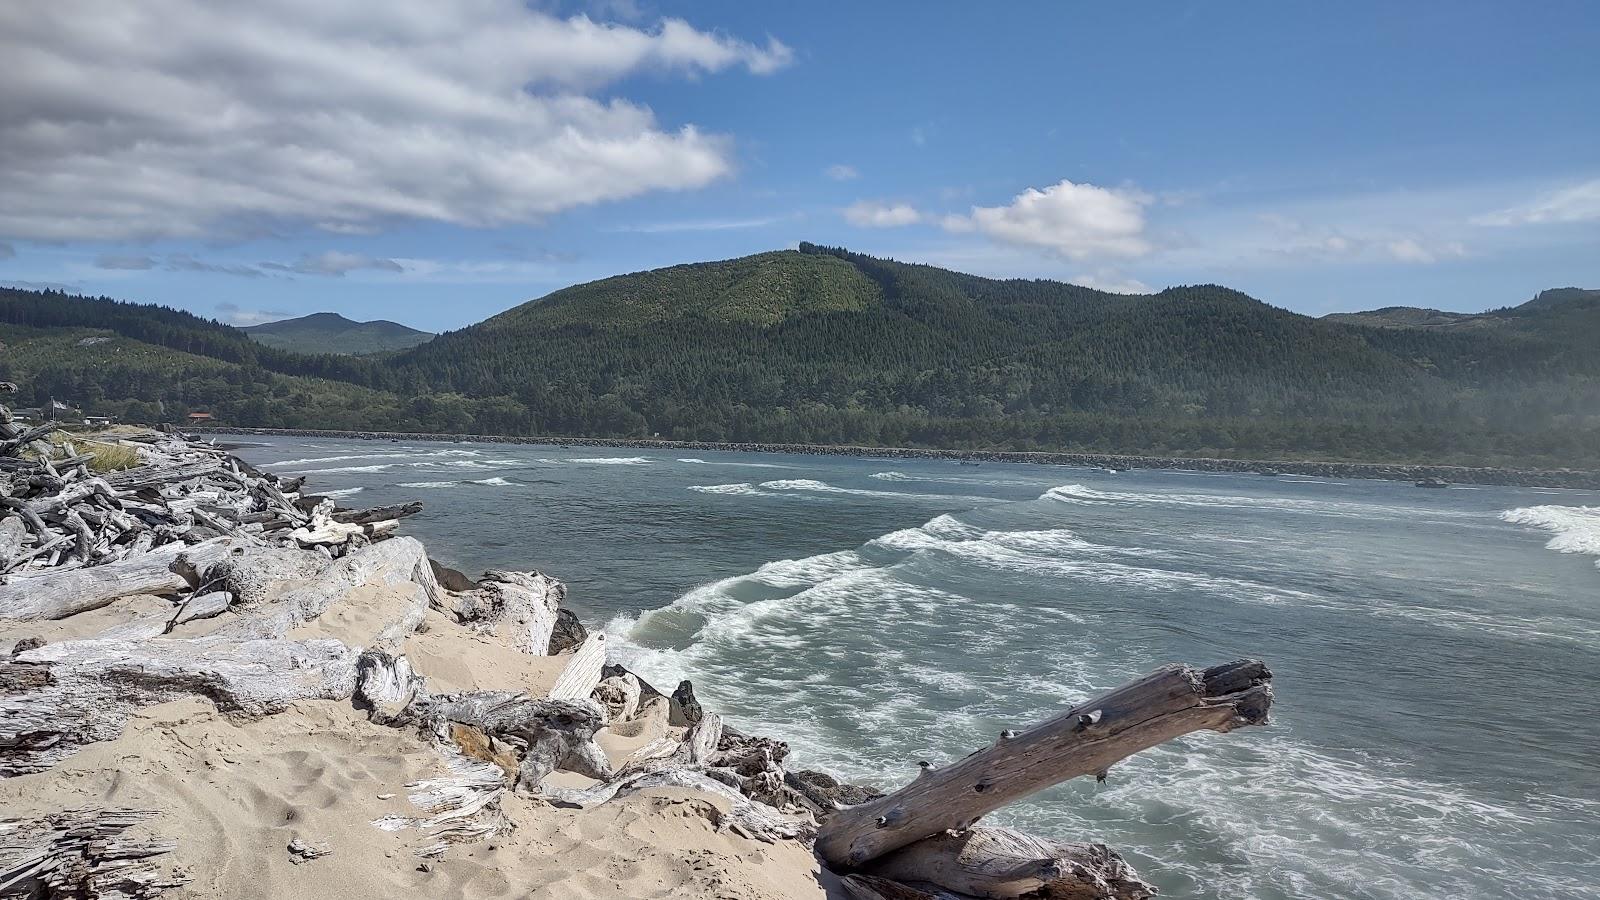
437	163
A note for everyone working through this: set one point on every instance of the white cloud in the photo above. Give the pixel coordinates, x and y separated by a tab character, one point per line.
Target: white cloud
1412	250
841	172
1076	221
1111	282
1574	203
181	118
872	214
234	314
334	264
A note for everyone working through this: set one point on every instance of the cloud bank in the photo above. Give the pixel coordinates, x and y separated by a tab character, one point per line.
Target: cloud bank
181	118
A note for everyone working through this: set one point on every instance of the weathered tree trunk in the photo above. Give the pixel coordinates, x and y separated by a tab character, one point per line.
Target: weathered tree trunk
1004	863
82	853
1085	740
81	692
521	607
57	595
578	680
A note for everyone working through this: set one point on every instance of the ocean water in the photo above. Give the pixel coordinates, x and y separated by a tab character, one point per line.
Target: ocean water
1436	653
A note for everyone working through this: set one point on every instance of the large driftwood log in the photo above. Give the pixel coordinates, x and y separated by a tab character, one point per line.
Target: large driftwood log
58	595
400	564
528	738
1004	863
521	607
582	674
81	853
1085	740
82	692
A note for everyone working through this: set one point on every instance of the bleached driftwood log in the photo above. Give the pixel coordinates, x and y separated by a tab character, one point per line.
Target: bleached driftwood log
578	680
521	607
1004	863
82	853
400	564
1085	740
58	697
57	595
527	737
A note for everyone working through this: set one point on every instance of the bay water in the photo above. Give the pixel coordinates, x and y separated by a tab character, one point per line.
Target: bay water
1436	653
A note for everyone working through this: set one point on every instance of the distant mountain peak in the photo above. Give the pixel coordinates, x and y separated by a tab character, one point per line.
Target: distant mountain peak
330	332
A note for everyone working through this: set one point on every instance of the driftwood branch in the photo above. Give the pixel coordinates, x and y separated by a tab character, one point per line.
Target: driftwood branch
1003	863
1085	740
81	853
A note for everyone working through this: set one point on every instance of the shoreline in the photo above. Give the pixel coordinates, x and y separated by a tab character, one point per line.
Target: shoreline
1578	479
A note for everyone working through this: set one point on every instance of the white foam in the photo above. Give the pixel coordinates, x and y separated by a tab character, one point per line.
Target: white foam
341	492
495	481
612	460
746	489
1576	528
1086	496
809	485
383	467
892	476
426	484
695	461
325	459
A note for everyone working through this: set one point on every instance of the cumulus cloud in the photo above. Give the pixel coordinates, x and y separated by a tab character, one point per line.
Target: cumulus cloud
334	264
1076	221
1111	281
873	214
1574	203
234	314
181	118
841	172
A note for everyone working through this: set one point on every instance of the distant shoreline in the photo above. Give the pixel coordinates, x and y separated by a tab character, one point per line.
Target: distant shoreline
1554	478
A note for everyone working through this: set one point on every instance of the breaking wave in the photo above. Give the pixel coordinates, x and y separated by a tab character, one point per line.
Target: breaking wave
1086	496
744	490
1576	529
612	460
342	492
426	484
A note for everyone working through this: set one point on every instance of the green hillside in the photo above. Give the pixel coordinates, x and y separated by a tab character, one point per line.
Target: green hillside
332	333
826	346
838	347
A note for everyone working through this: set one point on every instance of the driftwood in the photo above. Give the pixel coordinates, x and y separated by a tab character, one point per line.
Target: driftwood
81	853
1085	740
1002	862
528	738
66	594
90	688
582	674
57	515
521	607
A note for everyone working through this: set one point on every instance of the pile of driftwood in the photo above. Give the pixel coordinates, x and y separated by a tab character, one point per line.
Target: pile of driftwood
243	548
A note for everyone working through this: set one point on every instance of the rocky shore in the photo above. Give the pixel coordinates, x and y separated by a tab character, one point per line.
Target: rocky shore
215	683
1580	479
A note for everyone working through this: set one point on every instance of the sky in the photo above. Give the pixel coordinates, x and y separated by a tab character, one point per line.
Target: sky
436	163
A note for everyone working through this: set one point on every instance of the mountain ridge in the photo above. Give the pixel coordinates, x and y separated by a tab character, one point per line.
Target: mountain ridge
330	332
822	345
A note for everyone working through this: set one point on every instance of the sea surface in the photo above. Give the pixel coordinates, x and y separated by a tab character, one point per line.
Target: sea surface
1436	653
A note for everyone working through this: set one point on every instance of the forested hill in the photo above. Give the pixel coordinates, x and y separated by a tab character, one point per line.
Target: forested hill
328	332
826	346
831	346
